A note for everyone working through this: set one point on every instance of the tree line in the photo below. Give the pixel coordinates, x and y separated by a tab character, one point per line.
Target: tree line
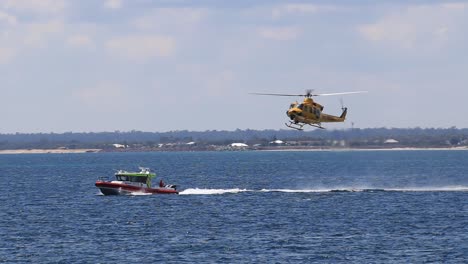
417	137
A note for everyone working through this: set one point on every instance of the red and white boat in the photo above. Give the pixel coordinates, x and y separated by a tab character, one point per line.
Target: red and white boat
134	182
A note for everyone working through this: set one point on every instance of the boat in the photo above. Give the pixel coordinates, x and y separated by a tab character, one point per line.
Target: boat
134	182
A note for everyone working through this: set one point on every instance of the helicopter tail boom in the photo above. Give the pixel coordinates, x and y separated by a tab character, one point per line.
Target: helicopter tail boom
325	118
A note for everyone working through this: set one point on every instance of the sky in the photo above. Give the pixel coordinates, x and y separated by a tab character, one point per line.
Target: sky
156	66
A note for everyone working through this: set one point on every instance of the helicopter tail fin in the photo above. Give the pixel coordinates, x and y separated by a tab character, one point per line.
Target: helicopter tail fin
345	111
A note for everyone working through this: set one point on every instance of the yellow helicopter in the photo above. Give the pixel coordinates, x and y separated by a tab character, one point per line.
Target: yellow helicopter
309	112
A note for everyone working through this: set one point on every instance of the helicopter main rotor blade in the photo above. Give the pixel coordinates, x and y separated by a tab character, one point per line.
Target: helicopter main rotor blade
327	94
275	94
308	94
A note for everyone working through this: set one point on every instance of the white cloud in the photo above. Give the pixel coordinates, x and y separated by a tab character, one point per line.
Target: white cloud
391	30
6	54
416	27
455	6
113	4
35	6
293	9
44	19
21	37
36	33
141	47
161	18
7	18
280	33
80	41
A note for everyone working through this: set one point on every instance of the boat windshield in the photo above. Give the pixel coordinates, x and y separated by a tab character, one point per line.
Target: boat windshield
142	179
122	177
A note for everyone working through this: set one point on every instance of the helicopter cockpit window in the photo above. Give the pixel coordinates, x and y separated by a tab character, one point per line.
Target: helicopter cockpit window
301	106
292	105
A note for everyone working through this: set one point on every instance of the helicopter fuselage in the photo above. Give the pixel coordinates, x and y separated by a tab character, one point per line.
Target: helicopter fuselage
310	112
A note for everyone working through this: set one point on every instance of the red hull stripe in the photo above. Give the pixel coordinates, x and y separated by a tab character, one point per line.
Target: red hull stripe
131	188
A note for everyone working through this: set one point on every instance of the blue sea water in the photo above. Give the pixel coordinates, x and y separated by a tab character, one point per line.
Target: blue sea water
238	207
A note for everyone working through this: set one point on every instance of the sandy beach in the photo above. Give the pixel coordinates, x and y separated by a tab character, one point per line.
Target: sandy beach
46	151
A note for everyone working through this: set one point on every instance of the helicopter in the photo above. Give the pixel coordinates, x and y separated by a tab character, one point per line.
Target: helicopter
309	112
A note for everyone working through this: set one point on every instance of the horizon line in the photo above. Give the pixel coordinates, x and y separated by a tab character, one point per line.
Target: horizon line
224	130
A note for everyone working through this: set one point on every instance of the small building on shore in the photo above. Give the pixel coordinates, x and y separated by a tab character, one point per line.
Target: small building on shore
238	146
391	141
277	142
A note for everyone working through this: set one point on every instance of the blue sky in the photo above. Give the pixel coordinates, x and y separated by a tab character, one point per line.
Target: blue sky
90	66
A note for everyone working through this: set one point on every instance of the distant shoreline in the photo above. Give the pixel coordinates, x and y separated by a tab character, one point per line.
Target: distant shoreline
364	149
71	151
47	151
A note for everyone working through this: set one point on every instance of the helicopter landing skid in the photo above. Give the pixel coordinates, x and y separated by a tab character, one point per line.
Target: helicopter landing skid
317	126
294	126
300	127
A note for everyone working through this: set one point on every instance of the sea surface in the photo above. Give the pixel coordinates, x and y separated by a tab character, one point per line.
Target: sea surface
238	207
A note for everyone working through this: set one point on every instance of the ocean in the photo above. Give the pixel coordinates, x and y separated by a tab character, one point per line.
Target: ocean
238	207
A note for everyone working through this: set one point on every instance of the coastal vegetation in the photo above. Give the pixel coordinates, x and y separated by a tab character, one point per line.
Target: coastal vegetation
256	139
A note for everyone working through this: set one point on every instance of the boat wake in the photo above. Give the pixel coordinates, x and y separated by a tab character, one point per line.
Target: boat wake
212	191
139	193
197	191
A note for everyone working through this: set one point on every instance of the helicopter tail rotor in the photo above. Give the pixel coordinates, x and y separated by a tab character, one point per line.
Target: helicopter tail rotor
343	115
344	109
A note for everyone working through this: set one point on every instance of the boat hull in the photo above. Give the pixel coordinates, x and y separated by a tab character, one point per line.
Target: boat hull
111	188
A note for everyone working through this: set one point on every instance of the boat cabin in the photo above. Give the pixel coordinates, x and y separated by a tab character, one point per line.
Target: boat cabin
142	177
131	178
